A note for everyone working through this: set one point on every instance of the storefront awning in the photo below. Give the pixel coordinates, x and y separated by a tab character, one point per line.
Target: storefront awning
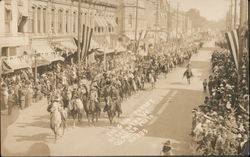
43	49
94	44
39	61
16	63
111	21
99	22
103	20
52	57
68	45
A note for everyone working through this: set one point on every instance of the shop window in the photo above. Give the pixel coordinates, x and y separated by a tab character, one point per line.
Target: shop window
12	51
4	52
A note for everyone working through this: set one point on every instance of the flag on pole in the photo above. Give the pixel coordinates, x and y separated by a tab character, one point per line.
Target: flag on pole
232	38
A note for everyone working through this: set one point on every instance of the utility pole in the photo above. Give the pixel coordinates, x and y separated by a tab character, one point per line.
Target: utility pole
243	40
235	13
156	20
79	31
136	23
169	18
231	15
177	19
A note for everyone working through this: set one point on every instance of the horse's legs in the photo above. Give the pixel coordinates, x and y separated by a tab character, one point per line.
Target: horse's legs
74	123
88	116
110	117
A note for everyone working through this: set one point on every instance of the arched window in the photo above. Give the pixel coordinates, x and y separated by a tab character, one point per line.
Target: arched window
60	21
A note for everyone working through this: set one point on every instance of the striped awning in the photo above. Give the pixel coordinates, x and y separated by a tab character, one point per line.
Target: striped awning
68	45
99	22
111	21
52	57
43	49
103	21
16	63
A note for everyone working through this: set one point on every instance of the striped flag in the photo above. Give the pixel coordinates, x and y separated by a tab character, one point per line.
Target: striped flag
233	45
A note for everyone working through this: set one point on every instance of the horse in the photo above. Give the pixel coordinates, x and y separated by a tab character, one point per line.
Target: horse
56	119
110	109
188	73
93	111
76	109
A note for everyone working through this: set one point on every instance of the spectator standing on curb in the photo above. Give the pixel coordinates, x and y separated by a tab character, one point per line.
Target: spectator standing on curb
205	85
11	101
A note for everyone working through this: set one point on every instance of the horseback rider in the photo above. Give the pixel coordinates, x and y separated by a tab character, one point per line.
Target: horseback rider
188	73
56	105
116	98
94	97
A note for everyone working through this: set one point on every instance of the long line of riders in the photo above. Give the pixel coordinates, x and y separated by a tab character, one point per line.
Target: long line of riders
107	90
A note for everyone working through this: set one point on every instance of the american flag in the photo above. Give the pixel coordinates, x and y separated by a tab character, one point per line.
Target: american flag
233	45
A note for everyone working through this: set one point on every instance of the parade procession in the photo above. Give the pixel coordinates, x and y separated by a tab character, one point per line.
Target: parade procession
124	77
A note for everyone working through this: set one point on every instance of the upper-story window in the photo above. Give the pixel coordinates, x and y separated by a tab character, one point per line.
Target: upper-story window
74	22
53	20
60	21
130	21
8	18
32	20
39	20
44	20
67	22
116	20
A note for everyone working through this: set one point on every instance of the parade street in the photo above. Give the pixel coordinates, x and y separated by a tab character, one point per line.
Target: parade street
155	115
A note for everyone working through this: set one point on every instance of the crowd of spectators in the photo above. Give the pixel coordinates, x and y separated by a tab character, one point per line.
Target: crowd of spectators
221	124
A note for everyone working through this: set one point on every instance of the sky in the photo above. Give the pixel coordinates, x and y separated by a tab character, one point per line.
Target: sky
210	9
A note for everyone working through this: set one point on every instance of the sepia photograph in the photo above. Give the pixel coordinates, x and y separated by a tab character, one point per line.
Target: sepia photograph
124	77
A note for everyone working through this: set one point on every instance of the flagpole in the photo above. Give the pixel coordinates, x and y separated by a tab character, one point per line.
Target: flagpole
235	13
79	28
136	23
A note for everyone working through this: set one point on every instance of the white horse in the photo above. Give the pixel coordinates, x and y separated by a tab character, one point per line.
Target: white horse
56	119
76	108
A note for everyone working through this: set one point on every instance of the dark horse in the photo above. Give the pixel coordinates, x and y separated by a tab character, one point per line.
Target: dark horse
92	111
110	109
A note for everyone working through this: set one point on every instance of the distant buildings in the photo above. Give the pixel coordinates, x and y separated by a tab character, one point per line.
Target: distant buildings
33	26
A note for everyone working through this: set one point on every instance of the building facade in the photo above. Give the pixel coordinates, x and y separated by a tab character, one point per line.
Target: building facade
33	26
